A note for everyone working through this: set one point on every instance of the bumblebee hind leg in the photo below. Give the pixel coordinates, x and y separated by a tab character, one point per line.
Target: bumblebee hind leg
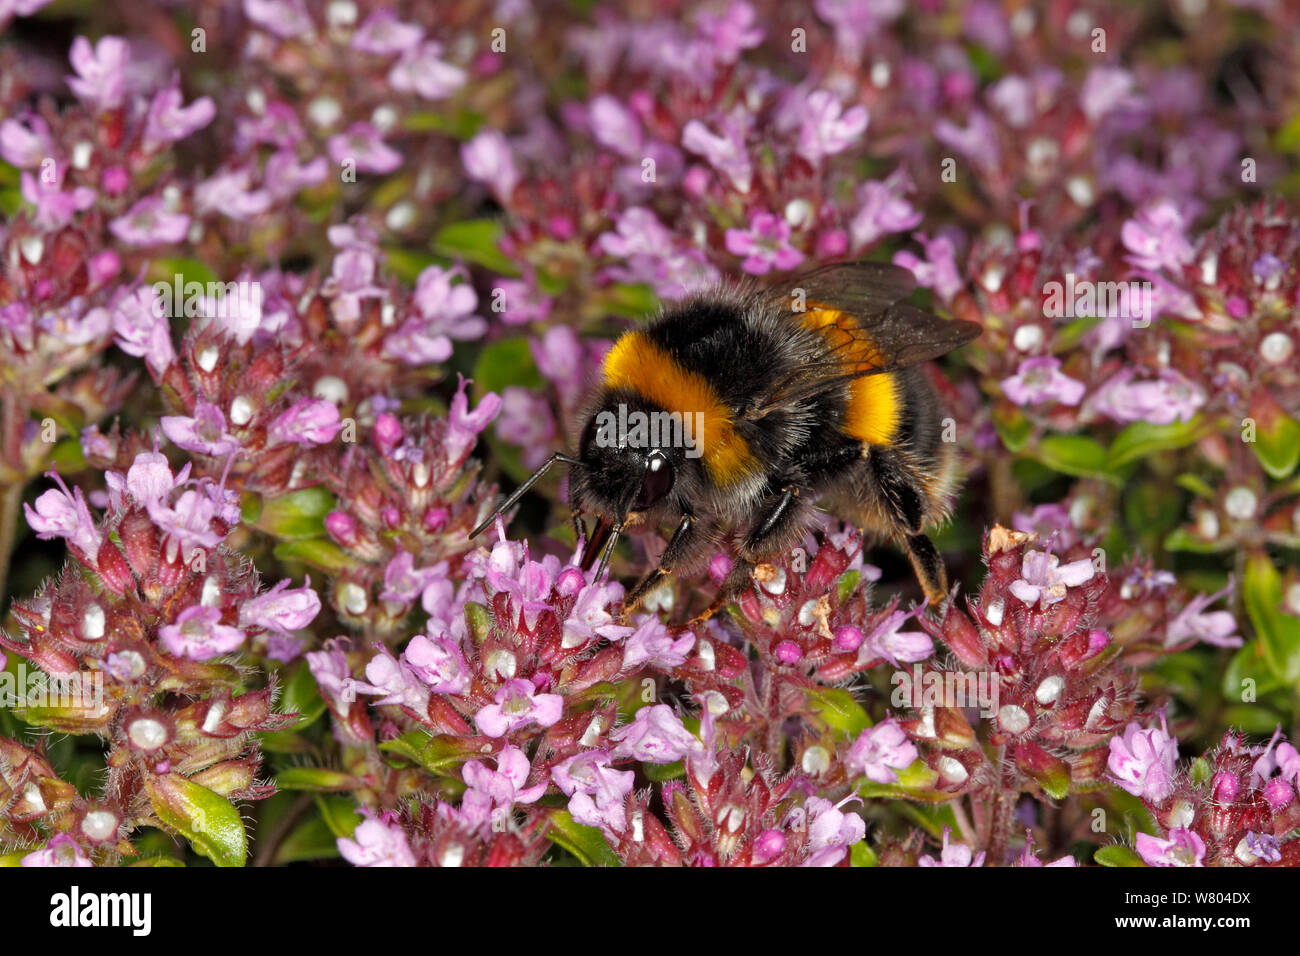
928	566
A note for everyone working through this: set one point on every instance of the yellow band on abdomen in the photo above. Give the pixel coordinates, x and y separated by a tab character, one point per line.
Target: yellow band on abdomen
875	406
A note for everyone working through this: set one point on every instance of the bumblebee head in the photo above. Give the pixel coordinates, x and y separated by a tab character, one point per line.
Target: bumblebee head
628	464
633	463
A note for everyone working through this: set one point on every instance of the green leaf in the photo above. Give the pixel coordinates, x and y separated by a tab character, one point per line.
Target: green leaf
310	840
1141	439
460	124
861	854
1278	633
407	264
319	553
1278	446
1181	539
659	772
1193	483
158	861
302	697
586	843
314	778
1117	855
475	240
440	753
1012	426
339	813
629	301
507	362
1075	455
847	584
1249	664
298	514
838	709
190	270
208	820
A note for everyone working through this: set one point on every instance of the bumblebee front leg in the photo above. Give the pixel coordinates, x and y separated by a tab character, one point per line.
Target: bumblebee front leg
684	539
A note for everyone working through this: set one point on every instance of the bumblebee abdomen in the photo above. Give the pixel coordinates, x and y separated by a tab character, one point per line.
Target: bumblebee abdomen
874	408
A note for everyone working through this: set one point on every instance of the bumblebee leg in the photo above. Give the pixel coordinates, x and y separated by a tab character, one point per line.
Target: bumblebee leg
901	494
683	539
928	566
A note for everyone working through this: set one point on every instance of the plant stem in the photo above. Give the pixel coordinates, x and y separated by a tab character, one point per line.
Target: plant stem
10	500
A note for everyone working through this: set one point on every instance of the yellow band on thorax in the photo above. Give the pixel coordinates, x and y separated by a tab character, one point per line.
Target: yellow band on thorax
637	363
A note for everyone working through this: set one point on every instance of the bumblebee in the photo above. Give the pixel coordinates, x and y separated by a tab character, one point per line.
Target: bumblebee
733	414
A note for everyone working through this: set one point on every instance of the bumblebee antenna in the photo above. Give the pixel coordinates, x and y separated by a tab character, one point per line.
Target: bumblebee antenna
523	490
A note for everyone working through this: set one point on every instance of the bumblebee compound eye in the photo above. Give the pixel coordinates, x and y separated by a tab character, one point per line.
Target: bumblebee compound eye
657	481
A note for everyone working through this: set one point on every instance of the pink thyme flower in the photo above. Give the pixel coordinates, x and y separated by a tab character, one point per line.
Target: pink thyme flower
1040	379
1143	761
765	245
384	35
199	635
729	34
422	71
463	426
883	210
879	751
1044	580
938	270
281	609
656	735
230	193
827	128
1215	627
953	854
25	141
1182	848
831	831
517	704
169	121
187	524
1167	399
363	146
403	582
143	330
726	152
377	841
204	432
1155	238
61	513
62	850
284	18
589	618
487	158
55	208
150	223
857	21
596	791
492	793
149	479
977	141
886	641
309	421
101	71
526	421
1105	89
394	681
614	126
285	176
437	660
651	645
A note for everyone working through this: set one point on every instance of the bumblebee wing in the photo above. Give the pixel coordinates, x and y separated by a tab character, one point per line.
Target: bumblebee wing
864	328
